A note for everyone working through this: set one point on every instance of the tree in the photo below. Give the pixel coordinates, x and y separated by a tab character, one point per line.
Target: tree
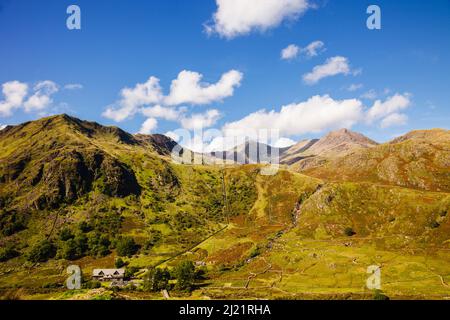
126	247
65	234
130	272
84	227
156	280
98	245
184	273
119	263
69	250
75	248
42	251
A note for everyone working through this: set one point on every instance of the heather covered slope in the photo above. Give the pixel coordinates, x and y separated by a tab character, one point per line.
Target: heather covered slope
420	160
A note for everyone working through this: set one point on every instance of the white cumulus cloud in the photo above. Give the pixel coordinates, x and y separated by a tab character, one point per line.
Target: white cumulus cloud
188	88
290	52
394	119
240	17
14	93
42	96
141	94
394	104
149	126
160	112
311	50
201	120
332	67
317	114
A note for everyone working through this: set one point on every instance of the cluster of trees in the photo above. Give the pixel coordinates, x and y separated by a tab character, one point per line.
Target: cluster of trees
85	240
184	273
11	222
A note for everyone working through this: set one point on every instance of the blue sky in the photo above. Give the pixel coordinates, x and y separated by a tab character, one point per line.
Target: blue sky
123	43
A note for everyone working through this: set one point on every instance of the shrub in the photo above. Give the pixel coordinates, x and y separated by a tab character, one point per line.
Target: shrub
65	234
84	227
93	284
435	225
379	295
349	232
154	238
184	273
8	253
11	223
130	272
119	263
256	251
126	247
42	252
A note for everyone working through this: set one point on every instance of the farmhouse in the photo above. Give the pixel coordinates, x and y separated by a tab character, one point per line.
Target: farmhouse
108	274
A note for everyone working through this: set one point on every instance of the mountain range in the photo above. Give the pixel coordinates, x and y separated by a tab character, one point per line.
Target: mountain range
73	192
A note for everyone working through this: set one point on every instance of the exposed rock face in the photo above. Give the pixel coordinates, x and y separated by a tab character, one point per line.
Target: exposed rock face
162	144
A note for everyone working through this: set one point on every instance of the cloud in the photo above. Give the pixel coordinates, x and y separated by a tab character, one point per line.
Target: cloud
332	67
391	105
73	86
370	95
141	94
235	18
14	93
313	49
166	113
42	96
394	119
355	87
189	89
317	114
284	143
149	126
290	52
201	120
2	126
